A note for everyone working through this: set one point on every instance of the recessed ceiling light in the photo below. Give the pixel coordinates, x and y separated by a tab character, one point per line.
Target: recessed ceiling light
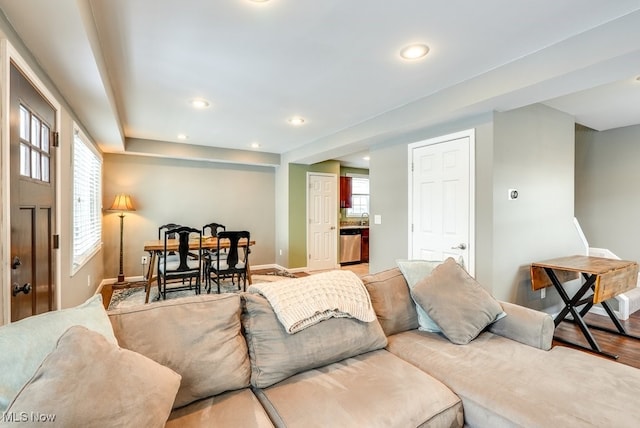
366	158
415	51
255	145
182	136
296	121
199	103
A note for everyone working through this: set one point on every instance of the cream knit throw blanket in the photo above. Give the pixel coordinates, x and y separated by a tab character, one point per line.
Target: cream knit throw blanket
302	302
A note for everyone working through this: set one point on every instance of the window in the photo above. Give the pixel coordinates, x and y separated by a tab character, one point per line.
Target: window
34	146
87	194
359	196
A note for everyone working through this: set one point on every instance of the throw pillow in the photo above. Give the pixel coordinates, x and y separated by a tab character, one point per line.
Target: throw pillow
276	354
414	271
456	302
198	337
88	382
26	343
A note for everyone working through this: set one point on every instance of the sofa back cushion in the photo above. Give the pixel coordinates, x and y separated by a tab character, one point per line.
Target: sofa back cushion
197	337
277	355
392	301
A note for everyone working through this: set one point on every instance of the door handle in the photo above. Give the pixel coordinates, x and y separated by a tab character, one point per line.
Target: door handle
26	289
460	247
15	263
333	228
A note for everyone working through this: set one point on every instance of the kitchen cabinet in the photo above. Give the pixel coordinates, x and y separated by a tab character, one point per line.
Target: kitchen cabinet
345	192
364	246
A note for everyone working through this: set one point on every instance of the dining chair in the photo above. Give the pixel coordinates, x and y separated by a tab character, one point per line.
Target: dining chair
187	265
213	228
210	254
172	256
236	261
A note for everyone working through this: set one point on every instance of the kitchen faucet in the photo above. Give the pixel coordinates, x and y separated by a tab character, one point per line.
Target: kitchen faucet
362	218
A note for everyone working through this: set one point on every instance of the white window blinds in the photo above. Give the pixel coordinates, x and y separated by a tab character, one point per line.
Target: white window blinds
87	206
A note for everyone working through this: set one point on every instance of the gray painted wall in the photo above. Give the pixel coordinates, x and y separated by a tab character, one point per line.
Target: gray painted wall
186	192
534	153
388	189
607	177
531	149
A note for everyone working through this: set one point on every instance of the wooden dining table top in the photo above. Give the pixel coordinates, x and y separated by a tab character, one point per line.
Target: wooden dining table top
208	242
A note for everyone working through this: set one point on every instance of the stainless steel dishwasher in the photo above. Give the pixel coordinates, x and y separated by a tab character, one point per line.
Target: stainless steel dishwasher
350	244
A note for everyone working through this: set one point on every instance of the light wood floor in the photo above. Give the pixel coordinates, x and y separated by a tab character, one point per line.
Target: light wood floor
361	269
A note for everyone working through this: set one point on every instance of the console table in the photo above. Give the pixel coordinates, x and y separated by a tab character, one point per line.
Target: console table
606	278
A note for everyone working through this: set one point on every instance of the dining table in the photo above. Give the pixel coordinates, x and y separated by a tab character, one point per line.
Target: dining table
602	279
156	247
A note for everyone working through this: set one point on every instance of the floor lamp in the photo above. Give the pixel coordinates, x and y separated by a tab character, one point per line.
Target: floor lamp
122	203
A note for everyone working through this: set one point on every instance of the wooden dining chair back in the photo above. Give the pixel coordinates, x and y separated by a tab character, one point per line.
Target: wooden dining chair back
187	265
213	228
172	254
210	254
236	262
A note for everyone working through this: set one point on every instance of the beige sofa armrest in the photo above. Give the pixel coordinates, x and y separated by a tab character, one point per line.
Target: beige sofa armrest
525	325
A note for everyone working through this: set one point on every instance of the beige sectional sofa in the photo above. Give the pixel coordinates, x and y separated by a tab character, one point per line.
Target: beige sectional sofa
226	361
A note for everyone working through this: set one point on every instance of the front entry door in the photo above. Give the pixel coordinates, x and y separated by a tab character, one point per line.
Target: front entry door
441	199
322	235
33	203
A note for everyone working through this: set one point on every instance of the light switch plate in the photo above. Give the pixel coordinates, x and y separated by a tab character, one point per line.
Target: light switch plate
377	219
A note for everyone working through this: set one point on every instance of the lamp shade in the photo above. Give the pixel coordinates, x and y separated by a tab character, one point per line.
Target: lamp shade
122	202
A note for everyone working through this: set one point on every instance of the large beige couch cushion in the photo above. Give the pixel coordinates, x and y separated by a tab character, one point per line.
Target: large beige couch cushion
198	337
391	301
375	389
239	409
503	383
276	354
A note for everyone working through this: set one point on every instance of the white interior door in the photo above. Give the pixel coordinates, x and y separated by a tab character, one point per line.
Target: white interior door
322	212
441	198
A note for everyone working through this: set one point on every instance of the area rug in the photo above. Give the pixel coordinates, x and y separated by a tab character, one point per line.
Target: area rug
136	296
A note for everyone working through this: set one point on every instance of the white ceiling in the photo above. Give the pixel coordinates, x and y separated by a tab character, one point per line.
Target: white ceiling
128	68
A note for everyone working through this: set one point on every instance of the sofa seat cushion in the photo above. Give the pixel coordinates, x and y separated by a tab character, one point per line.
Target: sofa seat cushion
376	389
232	409
503	383
198	337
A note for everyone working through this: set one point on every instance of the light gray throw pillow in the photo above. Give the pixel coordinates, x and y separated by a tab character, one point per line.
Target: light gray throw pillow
88	382
456	302
26	343
414	271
